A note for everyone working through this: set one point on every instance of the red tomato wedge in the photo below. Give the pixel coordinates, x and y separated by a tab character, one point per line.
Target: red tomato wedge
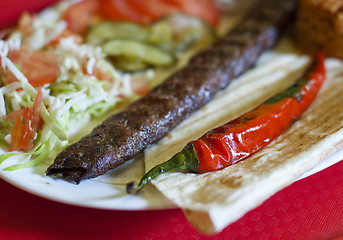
19	134
140	86
37	121
25	23
150	10
27	122
121	10
40	67
204	9
67	33
81	14
88	12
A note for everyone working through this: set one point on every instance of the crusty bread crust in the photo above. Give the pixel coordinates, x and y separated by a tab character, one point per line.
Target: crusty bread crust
319	26
214	200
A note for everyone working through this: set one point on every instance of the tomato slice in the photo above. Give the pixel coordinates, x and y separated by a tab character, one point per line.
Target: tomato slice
25	23
87	12
140	86
37	121
18	131
149	10
121	10
81	14
204	9
40	67
67	33
153	9
27	122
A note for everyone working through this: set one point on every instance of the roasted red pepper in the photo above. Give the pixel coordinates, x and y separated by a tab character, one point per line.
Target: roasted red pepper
247	134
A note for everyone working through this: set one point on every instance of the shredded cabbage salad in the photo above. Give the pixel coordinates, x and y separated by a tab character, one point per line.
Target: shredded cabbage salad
85	86
53	84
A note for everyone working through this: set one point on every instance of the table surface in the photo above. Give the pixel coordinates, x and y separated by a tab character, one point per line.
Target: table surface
311	208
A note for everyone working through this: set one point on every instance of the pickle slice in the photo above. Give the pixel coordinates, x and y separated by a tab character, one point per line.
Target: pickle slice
185	32
133	49
105	31
128	64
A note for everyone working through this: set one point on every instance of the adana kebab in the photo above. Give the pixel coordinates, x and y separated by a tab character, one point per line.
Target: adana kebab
123	135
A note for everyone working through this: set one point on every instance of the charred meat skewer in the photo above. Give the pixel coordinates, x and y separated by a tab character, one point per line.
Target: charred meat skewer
125	134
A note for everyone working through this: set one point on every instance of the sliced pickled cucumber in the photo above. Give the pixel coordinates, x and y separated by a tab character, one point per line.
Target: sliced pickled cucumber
105	31
128	64
133	49
173	33
160	33
186	31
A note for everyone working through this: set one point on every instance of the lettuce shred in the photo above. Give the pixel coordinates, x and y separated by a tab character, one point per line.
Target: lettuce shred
77	94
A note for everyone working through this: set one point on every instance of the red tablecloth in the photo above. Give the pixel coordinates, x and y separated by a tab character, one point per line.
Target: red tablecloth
308	209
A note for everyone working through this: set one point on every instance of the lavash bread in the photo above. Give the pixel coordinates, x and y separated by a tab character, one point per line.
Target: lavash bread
213	200
319	26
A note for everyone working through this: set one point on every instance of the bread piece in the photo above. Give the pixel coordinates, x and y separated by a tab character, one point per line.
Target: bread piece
319	26
212	201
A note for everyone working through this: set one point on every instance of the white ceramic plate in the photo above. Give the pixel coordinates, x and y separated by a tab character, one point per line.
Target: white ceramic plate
108	191
105	195
89	193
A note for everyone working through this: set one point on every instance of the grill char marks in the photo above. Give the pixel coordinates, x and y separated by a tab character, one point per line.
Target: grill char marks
123	135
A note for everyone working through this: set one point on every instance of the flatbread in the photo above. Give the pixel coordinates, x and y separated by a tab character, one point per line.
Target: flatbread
275	71
213	200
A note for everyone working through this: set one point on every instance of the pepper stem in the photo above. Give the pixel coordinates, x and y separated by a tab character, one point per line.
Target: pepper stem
186	160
